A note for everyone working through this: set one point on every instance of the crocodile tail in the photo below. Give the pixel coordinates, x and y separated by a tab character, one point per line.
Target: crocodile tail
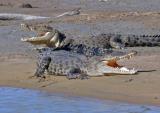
150	40
141	40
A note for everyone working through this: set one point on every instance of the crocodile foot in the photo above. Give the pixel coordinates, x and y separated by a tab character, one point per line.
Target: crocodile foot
77	76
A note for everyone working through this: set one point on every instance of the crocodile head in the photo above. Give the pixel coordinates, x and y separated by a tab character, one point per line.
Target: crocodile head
109	64
46	35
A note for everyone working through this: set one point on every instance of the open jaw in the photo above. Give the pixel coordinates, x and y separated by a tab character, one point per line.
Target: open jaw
115	68
44	39
34	40
41	38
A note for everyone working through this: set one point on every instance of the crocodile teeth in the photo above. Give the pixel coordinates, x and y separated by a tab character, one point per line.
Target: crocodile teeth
124	69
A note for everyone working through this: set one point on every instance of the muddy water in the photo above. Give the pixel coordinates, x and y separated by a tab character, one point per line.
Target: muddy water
16	100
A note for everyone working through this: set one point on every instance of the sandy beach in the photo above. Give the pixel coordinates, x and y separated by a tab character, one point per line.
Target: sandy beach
18	60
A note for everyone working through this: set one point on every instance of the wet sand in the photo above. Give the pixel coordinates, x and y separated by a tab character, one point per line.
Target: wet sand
18	61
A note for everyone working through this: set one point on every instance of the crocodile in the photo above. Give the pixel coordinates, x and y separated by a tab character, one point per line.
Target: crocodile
57	40
107	41
76	66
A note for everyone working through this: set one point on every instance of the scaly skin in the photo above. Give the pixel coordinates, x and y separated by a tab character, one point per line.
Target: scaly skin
51	38
73	65
118	41
82	50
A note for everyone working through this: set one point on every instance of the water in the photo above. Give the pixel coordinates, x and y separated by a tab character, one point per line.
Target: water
17	100
16	16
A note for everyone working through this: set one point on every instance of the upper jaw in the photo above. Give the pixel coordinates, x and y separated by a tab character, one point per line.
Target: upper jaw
120	57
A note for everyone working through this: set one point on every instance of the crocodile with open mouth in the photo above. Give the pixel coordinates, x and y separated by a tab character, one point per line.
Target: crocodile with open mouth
76	66
53	38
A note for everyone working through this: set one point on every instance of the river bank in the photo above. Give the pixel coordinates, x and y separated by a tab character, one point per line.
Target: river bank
18	61
142	88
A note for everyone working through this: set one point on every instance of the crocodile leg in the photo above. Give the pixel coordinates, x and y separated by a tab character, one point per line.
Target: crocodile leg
42	66
76	73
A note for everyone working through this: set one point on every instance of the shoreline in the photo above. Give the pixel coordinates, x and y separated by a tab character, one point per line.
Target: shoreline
120	98
137	89
129	100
